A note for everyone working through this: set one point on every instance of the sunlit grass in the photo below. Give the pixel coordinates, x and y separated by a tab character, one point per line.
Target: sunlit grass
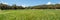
28	14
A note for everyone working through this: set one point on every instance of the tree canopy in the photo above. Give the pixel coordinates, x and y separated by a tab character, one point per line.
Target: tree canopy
14	6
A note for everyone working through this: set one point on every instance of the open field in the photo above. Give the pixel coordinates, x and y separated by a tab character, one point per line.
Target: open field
29	14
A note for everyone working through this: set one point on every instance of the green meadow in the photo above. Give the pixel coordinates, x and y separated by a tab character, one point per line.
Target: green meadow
30	14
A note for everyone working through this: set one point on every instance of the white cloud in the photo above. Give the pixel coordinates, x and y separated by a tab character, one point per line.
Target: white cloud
48	3
3	2
23	5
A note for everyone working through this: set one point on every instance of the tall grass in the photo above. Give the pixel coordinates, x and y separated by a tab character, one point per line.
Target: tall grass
29	14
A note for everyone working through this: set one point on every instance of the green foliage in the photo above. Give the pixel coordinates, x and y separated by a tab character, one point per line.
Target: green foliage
14	7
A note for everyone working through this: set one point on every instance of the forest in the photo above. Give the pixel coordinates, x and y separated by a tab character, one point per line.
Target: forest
14	7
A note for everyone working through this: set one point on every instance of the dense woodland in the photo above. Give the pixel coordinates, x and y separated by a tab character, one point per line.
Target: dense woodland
14	7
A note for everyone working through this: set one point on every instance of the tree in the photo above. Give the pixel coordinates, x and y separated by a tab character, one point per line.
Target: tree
3	6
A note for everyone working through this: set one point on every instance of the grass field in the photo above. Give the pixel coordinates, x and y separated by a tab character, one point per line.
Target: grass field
28	14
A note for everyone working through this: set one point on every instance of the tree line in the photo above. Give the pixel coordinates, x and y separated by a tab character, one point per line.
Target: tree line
14	7
8	7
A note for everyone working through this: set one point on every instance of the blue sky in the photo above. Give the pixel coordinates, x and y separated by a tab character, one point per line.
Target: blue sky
29	2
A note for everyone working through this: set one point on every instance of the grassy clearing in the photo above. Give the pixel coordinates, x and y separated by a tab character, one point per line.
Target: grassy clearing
29	14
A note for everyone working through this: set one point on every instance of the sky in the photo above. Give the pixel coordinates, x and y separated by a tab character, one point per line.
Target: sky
29	2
